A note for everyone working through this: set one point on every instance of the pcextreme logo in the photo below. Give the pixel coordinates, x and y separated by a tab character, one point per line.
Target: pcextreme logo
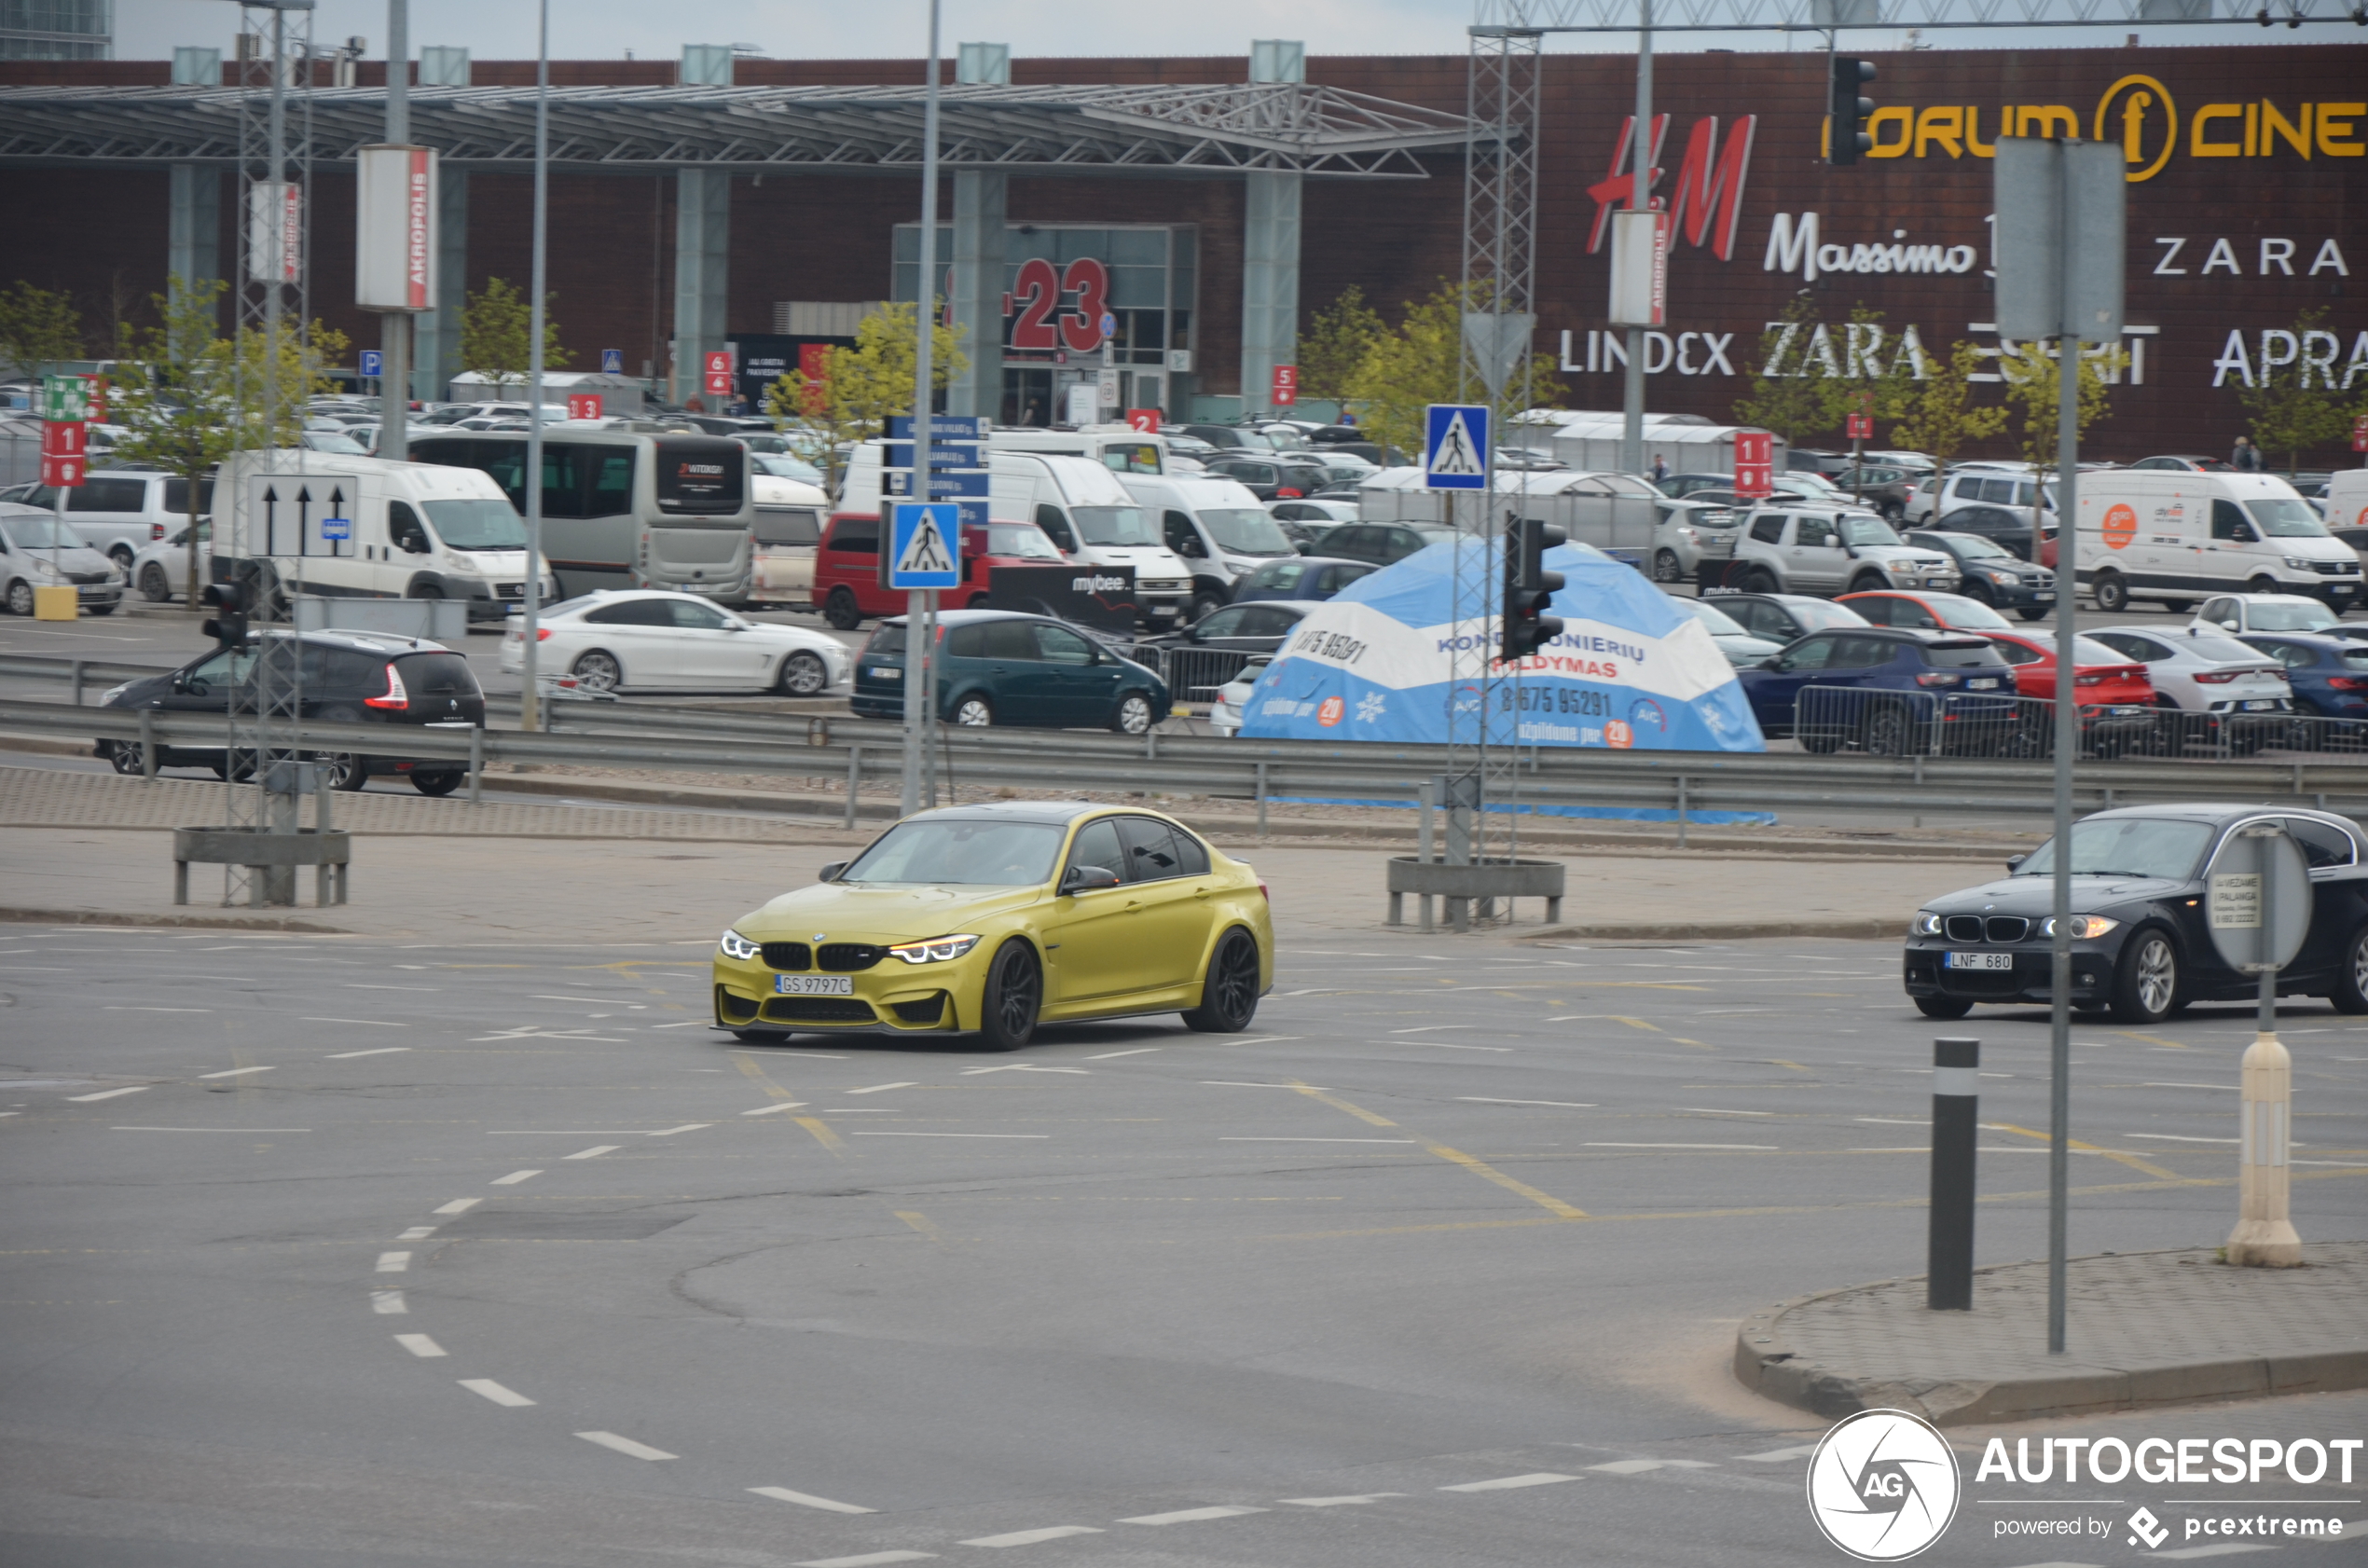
1883	1485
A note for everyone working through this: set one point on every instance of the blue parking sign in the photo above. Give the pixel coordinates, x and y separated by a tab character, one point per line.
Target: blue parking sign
925	545
373	365
1455	447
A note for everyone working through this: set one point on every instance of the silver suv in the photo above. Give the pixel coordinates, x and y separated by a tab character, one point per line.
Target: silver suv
1793	548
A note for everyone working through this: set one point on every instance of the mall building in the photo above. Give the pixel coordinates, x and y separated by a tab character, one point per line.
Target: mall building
1167	224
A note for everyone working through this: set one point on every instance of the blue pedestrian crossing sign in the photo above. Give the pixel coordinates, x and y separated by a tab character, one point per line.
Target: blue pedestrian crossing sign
923	552
611	362
1455	447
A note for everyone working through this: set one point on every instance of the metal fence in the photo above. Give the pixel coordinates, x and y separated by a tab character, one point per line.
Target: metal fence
2196	758
1896	723
1192	674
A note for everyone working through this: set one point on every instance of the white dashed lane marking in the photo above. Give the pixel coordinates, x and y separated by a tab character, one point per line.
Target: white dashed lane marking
513	1178
459	1205
1777	1456
108	1094
626	1446
768	1110
594	1152
878	1088
1506	1483
1644	1467
488	1388
390	1301
1339	1502
869	1560
1563	1105
1030	1537
808	1500
381	1050
394	1262
1190	1516
419	1345
235	1072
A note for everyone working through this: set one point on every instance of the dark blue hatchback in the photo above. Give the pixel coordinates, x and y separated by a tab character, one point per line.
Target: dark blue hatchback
1891	688
2328	674
1314	577
999	667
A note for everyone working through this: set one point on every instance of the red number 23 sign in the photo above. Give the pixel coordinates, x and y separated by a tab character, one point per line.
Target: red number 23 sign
1040	291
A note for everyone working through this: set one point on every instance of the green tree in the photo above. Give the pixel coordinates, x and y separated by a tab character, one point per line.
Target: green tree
188	397
1421	362
2286	412
861	388
38	327
497	334
1333	348
1788	393
2034	379
1942	419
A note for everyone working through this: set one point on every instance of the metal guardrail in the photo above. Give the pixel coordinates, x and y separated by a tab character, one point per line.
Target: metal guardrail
1889	722
861	751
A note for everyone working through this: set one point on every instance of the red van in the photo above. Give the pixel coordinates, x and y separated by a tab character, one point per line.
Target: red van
847	566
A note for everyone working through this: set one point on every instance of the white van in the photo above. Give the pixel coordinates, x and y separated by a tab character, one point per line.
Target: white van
1215	526
1120	448
345	527
790	515
1078	503
2348	499
119	512
624	509
2173	537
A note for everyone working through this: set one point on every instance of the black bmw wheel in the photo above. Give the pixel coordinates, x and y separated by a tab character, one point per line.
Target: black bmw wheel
437	783
2146	981
1014	993
2350	993
1943	1007
1228	991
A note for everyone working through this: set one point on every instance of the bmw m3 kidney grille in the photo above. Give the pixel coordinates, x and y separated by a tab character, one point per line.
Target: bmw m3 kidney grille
788	955
1997	928
844	957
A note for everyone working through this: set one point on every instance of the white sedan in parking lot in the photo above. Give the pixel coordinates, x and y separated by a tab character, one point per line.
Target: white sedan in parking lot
160	569
2200	671
648	640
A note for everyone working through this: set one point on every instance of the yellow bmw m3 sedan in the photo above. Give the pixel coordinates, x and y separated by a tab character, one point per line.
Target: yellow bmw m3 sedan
988	920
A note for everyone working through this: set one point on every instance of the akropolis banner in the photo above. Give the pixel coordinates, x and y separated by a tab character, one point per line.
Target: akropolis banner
1630	670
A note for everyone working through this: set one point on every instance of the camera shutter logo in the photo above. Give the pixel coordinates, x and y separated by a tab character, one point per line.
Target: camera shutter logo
1883	1485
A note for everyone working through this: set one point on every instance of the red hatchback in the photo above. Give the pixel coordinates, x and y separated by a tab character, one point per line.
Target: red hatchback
847	566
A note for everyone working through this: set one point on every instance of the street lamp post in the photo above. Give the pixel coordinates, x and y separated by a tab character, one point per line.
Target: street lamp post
920	604
530	698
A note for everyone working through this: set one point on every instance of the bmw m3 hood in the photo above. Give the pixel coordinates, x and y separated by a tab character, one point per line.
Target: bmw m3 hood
890	911
2035	896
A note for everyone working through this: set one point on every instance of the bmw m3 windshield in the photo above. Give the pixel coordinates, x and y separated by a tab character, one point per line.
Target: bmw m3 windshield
944	851
2127	847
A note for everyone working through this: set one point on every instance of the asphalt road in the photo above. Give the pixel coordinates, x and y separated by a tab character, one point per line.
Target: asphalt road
324	1254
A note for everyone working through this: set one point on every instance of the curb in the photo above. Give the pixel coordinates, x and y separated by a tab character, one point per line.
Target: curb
1765	1363
205	922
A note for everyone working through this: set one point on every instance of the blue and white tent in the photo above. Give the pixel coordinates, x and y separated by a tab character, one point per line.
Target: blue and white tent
1630	670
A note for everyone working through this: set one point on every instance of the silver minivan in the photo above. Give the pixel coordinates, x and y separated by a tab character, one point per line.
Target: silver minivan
35	553
117	512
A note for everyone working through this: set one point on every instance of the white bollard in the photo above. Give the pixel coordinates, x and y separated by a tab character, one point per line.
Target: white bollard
2264	1235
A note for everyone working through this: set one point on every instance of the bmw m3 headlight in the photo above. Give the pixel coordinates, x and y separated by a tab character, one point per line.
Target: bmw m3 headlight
2083	927
937	950
734	946
1924	925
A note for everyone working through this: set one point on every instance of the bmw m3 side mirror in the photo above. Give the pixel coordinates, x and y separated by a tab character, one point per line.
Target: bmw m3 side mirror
830	871
1084	879
2014	862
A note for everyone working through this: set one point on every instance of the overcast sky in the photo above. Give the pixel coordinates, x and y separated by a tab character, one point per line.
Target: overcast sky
611	28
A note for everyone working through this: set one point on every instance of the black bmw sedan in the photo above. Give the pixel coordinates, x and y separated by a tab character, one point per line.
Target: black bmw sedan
2140	947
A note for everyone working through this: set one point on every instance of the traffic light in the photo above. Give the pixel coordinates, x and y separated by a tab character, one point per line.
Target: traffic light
1846	134
1529	590
229	628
